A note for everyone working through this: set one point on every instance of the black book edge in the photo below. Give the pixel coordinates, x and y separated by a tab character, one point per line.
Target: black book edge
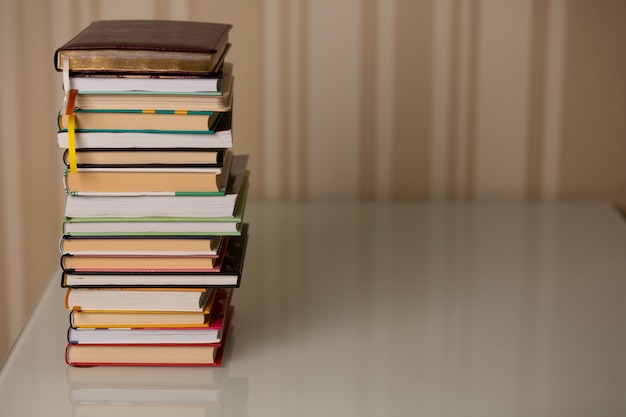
218	164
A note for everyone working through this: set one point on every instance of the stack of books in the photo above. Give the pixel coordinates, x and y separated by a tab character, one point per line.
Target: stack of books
153	240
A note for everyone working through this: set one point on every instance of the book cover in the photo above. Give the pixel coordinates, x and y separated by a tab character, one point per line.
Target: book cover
168	46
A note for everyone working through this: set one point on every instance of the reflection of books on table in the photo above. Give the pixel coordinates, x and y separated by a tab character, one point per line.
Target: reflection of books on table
146	391
156	392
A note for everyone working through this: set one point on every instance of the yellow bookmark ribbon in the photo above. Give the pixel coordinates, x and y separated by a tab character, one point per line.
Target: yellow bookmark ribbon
71	142
71	129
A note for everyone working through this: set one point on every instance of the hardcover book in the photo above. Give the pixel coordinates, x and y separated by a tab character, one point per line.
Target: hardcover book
229	225
162	205
183	245
220	100
147	157
141	84
153	319
139	121
149	180
137	299
146	46
211	333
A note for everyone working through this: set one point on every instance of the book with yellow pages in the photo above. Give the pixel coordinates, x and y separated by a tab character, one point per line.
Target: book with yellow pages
209	333
152	319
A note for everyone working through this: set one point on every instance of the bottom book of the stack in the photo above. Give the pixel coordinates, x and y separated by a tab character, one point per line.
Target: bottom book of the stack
169	345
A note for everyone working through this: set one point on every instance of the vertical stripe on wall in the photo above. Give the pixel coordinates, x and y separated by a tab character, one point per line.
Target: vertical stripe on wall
385	53
333	82
441	99
302	135
247	55
462	99
368	109
594	99
287	110
13	267
273	73
39	173
536	102
502	98
555	35
410	139
454	102
135	9
470	124
178	10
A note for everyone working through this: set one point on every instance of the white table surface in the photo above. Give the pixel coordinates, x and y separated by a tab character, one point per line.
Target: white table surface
385	309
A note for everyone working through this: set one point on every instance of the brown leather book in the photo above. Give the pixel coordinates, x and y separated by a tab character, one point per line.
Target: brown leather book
146	46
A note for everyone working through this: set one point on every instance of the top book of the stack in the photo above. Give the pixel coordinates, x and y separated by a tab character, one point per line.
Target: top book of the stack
146	46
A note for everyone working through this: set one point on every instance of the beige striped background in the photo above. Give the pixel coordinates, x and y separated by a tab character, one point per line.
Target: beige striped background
449	99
